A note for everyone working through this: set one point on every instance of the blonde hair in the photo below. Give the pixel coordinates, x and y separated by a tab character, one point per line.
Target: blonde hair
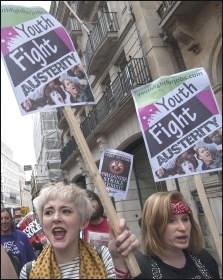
157	213
69	193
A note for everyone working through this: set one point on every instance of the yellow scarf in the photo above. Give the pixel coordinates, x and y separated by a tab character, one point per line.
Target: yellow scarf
91	266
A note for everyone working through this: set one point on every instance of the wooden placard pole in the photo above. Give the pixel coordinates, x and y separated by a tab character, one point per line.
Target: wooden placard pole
99	184
208	214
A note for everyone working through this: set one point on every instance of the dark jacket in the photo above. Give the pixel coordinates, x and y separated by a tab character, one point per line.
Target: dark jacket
202	266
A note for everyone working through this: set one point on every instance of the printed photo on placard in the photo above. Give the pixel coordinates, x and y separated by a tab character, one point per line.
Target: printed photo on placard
115	168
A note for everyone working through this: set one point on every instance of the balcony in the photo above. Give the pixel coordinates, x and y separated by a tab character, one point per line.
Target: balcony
84	8
170	9
135	73
76	29
102	38
165	8
73	27
176	24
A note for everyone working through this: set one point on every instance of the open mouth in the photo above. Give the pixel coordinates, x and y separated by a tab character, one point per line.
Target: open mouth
182	238
59	233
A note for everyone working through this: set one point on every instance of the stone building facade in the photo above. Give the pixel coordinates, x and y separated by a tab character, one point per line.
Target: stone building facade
131	43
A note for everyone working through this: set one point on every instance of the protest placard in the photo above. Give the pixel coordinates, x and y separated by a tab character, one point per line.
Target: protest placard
17	213
181	124
44	68
115	168
43	65
24	210
98	239
32	229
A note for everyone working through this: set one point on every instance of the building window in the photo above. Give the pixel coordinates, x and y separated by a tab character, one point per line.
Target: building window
107	87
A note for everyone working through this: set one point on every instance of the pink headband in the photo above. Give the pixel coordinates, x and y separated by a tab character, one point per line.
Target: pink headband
179	207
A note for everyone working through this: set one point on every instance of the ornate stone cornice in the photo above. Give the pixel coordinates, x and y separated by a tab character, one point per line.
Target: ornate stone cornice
183	32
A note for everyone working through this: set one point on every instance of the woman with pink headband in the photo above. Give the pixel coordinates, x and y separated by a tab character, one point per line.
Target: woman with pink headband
172	242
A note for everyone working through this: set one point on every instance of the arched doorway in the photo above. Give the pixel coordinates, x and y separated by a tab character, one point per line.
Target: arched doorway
146	185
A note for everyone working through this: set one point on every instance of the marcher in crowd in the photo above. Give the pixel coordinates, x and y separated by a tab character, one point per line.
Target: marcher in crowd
172	242
15	240
63	211
7	269
98	221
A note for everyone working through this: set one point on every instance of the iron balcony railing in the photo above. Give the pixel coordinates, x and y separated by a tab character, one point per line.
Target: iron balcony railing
107	23
73	25
76	26
133	74
164	8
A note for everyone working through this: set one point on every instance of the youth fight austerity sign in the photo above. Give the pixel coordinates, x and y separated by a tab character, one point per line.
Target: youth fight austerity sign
39	57
179	117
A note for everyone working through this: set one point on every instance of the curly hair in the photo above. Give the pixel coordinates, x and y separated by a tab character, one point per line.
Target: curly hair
66	192
182	159
49	88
